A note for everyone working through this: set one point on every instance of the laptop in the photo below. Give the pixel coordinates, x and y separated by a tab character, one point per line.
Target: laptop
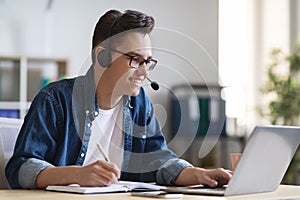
265	159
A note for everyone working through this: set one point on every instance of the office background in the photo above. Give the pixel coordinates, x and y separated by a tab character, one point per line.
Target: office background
202	42
185	40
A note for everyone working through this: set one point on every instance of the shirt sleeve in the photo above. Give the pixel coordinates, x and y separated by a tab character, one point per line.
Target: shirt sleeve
169	165
29	171
168	172
35	145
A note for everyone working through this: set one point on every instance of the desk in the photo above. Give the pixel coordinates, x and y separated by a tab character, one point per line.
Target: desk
283	192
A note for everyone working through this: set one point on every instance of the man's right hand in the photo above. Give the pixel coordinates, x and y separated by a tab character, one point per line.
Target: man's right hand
99	173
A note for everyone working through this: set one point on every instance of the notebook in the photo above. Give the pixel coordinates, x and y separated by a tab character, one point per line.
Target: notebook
121	186
263	163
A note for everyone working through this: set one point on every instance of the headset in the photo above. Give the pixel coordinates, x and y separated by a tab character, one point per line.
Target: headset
104	57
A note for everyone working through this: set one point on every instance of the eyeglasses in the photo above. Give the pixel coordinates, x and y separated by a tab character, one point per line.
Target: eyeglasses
137	61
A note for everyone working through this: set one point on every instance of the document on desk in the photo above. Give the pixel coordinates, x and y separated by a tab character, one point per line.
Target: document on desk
120	186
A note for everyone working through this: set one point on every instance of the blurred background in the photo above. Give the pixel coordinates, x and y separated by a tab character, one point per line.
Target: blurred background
223	65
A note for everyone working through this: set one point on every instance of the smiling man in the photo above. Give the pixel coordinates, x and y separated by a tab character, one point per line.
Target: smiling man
70	119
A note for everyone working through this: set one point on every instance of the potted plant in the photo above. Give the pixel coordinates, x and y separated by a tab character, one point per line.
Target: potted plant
283	87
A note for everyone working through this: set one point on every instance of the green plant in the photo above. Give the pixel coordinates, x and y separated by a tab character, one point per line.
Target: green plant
284	86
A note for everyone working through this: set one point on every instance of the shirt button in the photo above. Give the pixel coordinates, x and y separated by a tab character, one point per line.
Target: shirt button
144	136
89	125
96	113
87	112
82	155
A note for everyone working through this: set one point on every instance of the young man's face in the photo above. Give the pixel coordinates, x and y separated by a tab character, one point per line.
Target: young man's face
125	79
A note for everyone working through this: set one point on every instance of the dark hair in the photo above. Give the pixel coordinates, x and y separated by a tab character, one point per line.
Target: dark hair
114	22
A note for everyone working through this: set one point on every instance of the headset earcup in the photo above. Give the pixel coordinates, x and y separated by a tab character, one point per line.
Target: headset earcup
104	58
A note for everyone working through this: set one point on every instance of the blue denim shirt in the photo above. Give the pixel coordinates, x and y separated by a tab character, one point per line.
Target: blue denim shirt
57	129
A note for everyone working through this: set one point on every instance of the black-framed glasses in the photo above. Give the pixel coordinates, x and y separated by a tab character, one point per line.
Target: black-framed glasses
137	61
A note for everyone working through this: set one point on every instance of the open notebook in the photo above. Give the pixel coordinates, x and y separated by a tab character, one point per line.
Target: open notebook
121	186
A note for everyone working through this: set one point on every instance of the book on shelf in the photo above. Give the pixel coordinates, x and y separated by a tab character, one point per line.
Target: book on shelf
120	186
10	113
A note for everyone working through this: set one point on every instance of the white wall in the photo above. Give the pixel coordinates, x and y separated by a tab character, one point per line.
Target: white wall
185	41
248	31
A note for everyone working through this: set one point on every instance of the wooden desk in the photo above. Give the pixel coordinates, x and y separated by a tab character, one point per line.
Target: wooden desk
284	191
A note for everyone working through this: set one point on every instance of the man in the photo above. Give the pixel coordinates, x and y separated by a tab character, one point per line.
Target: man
71	121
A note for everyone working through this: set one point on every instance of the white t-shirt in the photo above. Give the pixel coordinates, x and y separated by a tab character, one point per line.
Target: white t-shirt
107	131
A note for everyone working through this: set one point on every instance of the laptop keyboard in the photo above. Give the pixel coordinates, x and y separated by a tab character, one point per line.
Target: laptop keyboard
212	189
220	191
208	188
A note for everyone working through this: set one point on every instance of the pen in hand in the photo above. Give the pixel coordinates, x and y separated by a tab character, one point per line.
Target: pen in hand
102	152
117	173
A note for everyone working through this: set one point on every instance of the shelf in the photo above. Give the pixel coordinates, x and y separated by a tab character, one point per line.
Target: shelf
22	77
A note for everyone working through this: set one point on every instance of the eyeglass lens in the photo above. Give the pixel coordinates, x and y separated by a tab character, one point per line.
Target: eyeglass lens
138	61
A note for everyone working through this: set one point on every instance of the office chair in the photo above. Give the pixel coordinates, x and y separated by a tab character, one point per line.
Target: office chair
9	129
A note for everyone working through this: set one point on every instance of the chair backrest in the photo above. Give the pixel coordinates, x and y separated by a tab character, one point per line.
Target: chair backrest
9	130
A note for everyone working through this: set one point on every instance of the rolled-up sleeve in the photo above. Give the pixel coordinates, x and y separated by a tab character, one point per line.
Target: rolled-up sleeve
170	170
29	171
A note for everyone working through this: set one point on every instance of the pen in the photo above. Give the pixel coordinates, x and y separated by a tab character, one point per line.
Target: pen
102	152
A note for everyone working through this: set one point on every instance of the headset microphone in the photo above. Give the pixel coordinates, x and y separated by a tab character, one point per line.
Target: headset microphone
154	84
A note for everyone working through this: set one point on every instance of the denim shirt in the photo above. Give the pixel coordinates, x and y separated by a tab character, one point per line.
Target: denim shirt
57	129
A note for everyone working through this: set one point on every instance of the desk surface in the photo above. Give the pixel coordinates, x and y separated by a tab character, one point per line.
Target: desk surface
283	192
